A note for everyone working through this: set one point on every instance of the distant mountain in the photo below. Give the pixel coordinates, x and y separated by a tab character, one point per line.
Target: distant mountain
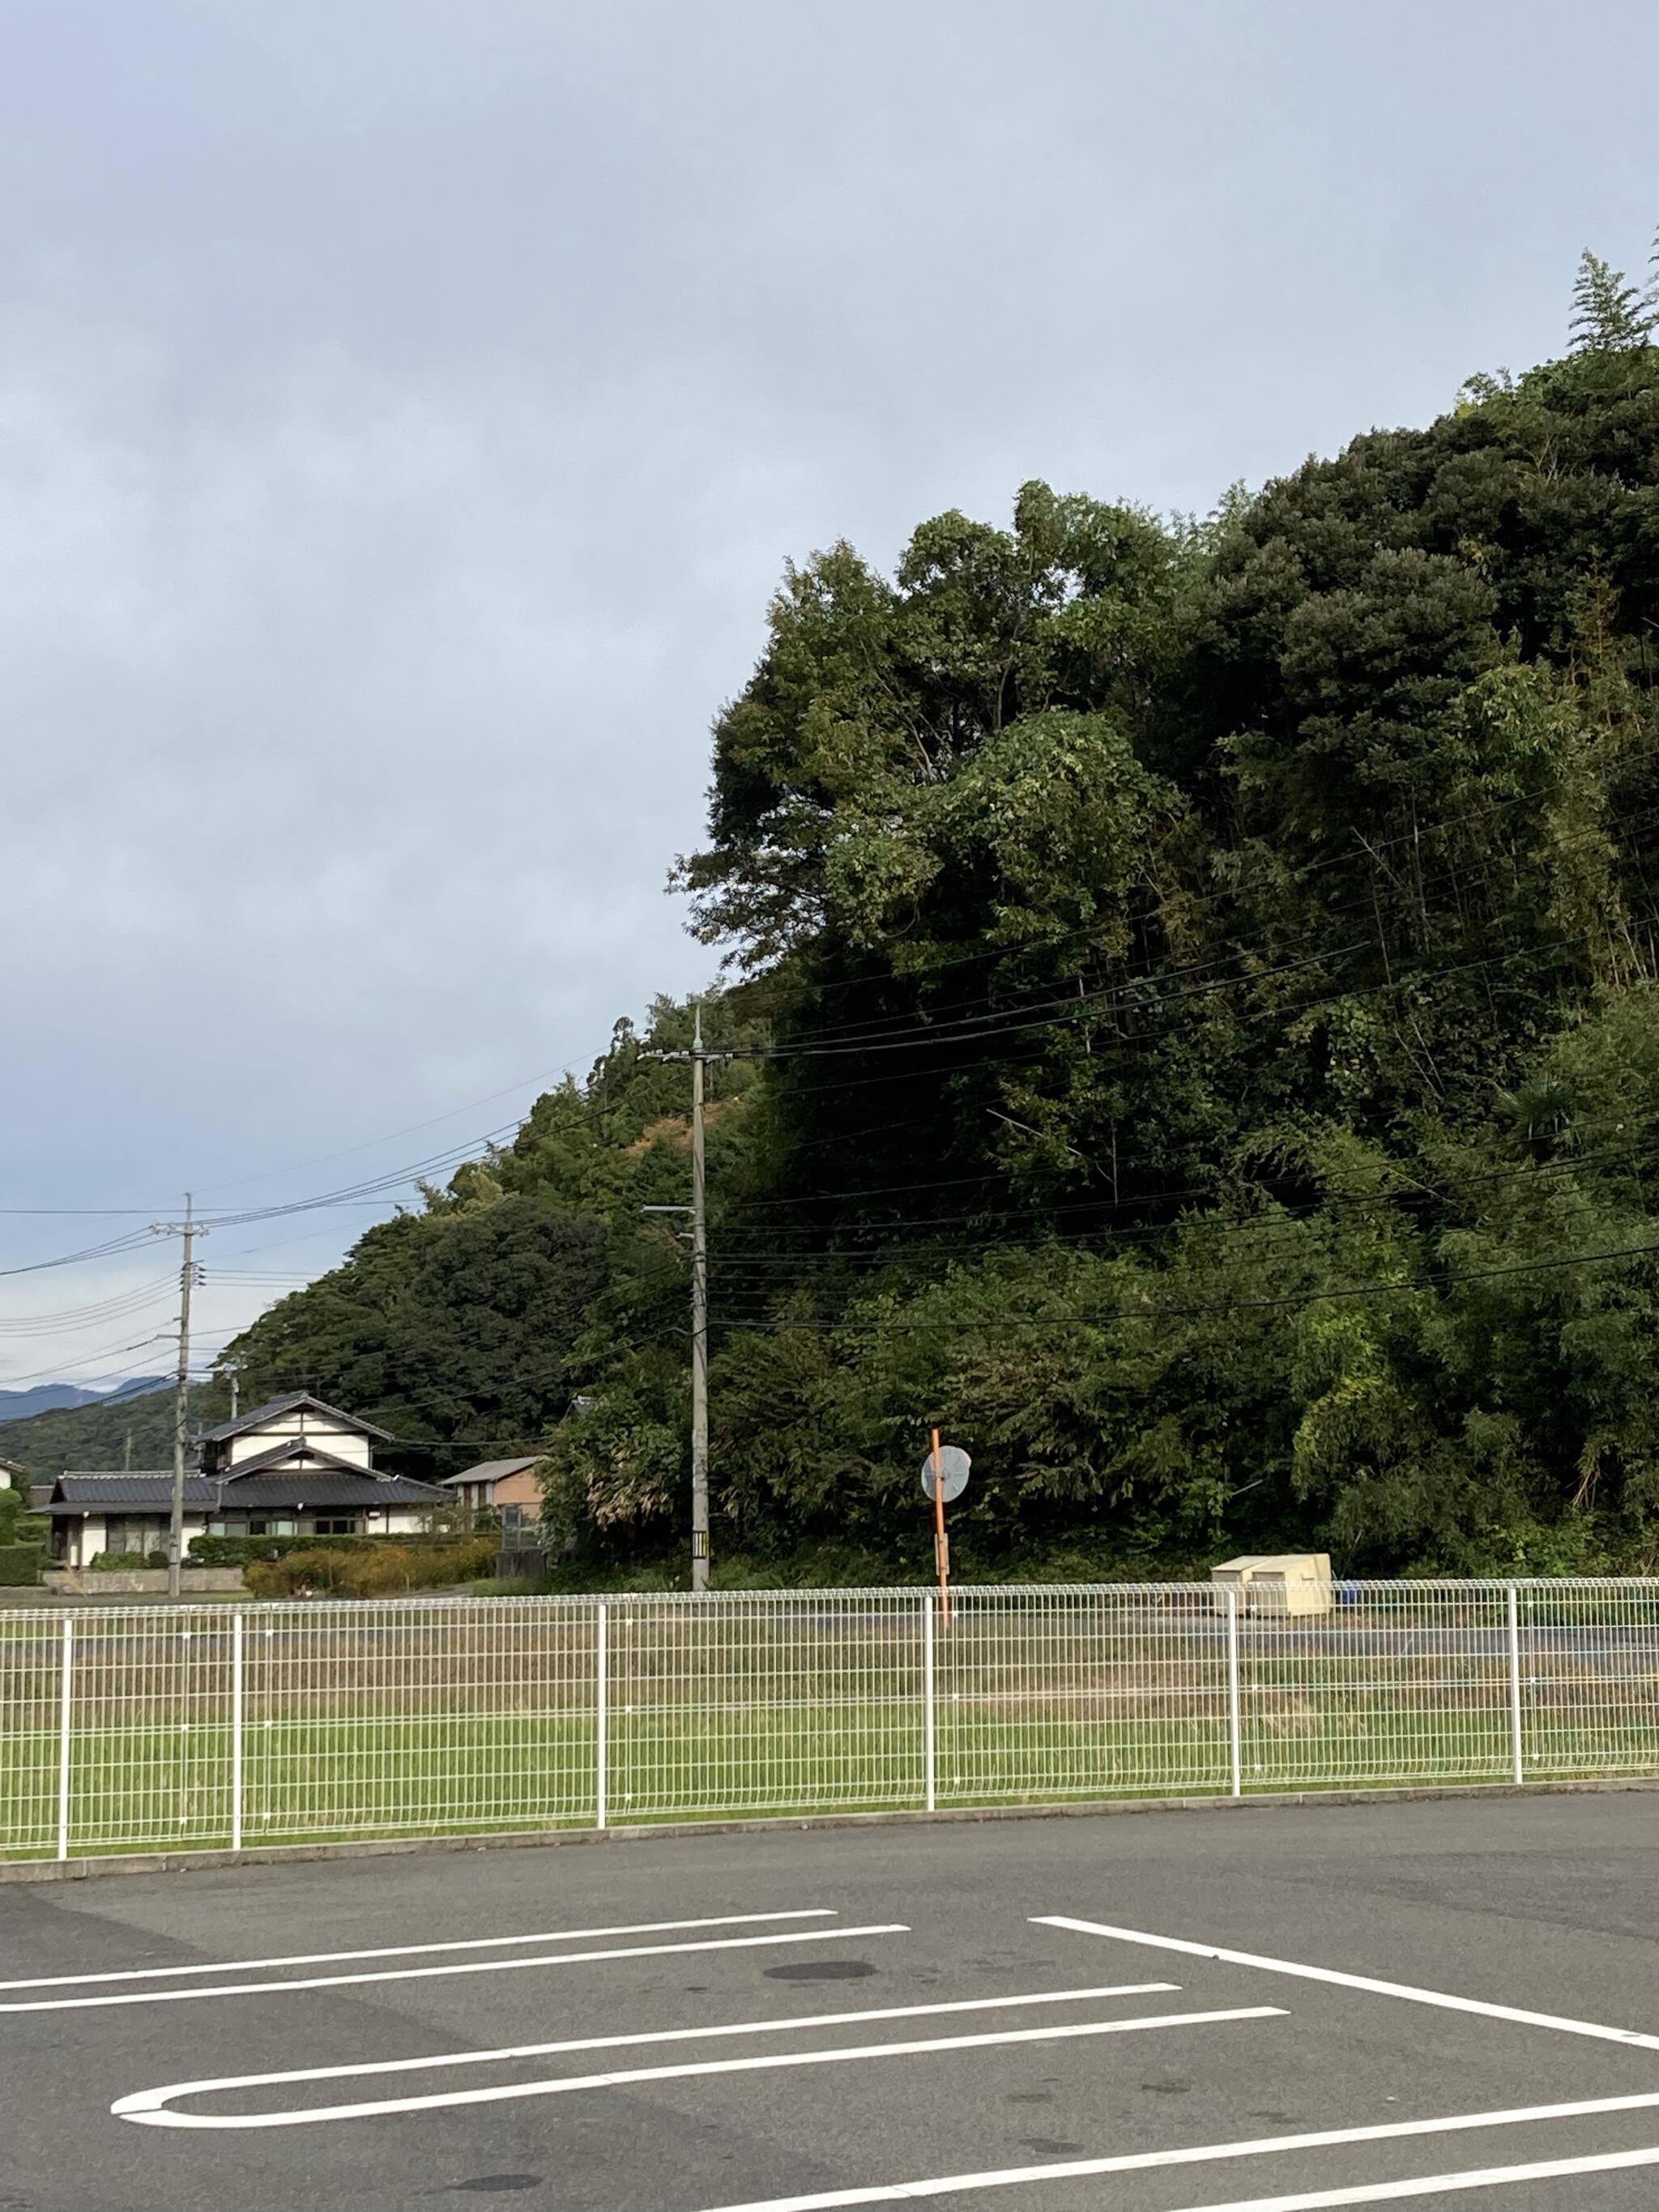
97	1434
60	1397
44	1398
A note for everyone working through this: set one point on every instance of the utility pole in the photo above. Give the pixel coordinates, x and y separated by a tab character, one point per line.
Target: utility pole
189	1229
699	1323
698	1211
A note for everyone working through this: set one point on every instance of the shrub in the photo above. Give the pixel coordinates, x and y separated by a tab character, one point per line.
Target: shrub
378	1568
122	1563
241	1551
21	1564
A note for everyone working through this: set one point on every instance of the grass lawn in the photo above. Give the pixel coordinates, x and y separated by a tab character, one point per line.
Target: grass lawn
469	1718
151	1787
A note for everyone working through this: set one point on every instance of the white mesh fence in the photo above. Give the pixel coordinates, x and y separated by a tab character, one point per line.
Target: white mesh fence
147	1727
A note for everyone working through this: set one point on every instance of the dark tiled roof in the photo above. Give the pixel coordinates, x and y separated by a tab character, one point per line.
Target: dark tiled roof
151	1491
324	1488
291	1402
283	1454
491	1470
136	1490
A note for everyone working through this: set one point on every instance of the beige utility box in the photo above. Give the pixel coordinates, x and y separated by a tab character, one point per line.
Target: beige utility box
1279	1583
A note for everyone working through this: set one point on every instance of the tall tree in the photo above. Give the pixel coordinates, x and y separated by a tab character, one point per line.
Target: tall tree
1609	315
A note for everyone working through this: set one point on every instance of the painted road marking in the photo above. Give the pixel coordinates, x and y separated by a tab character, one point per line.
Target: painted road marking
149	2107
1366	1982
1145	2161
416	1950
465	1967
777	2027
1434	2185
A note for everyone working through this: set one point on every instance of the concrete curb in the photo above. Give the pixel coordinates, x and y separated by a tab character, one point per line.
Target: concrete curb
47	1870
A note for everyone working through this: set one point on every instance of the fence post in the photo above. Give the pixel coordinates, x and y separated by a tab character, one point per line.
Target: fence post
1516	1764
65	1699
236	1729
601	1714
929	1739
1235	1716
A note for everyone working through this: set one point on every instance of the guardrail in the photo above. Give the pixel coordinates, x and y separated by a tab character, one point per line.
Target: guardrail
213	1726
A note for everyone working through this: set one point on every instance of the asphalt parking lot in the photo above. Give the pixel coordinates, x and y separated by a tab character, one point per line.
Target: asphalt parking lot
1442	2003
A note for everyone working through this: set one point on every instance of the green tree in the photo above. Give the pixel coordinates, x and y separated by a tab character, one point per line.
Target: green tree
1195	1037
1609	315
452	1325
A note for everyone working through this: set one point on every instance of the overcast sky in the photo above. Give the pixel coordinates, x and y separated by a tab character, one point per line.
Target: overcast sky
406	409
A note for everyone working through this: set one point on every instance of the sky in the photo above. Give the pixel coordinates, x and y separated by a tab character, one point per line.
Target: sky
407	408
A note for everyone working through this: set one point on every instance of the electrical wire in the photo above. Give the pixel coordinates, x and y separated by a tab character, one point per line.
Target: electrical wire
71	1324
1346	857
1151	1310
110	1351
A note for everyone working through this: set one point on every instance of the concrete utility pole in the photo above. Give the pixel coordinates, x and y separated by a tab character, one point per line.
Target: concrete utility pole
698	1209
699	1323
189	1229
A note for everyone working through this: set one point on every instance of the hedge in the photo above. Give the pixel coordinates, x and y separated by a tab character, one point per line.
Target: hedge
21	1564
382	1568
241	1551
124	1563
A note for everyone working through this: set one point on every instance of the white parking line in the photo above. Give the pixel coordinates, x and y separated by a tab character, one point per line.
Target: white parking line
466	1966
148	2108
1436	2184
1436	1997
416	1950
1144	2162
776	2026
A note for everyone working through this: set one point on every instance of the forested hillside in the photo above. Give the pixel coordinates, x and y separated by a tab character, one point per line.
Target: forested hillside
1197	989
101	1434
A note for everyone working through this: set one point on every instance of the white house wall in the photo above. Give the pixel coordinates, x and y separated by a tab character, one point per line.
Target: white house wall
85	1539
288	1429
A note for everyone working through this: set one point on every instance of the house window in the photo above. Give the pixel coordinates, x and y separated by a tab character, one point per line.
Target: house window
512	1520
258	1526
340	1525
123	1533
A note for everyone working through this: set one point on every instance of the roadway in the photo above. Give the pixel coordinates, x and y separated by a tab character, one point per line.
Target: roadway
1446	2003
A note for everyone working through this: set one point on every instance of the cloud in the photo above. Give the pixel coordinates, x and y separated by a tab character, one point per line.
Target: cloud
406	409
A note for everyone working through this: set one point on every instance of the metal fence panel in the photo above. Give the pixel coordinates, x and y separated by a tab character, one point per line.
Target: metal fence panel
408	1718
1589	1678
1399	1683
141	1727
1046	1694
31	1680
149	1729
807	1701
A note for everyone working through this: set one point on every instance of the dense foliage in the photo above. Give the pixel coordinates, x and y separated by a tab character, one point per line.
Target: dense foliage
383	1569
1200	984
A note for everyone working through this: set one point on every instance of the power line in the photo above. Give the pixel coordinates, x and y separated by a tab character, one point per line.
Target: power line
130	1242
557	1075
86	1360
71	1318
1090	931
1151	1310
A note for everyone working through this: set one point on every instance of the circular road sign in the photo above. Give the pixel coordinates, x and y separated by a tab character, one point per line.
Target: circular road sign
953	1466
